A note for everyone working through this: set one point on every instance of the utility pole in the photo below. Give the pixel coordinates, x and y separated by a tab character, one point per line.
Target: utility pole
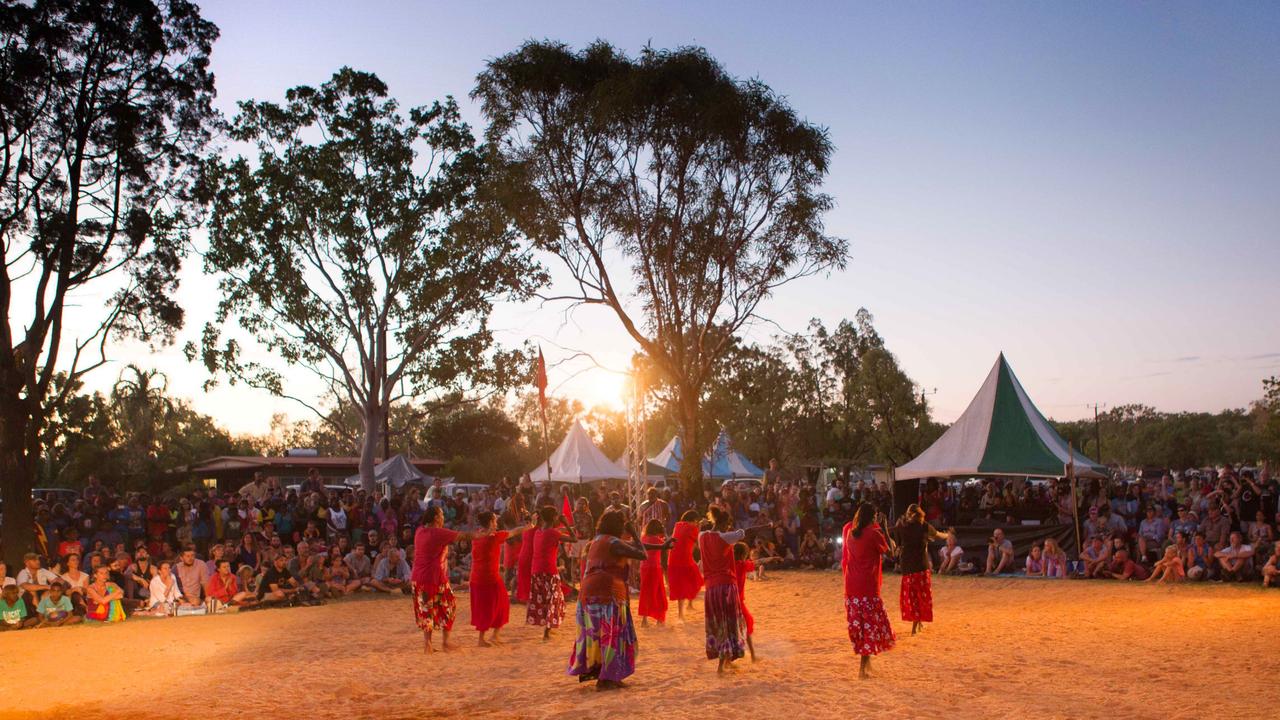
1097	432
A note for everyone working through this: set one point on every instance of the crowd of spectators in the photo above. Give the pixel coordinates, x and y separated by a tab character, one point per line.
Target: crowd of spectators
106	556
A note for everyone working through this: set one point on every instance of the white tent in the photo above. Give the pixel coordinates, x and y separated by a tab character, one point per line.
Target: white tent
721	462
394	473
578	460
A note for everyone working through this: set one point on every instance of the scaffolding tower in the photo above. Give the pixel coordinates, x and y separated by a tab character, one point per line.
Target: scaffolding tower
637	457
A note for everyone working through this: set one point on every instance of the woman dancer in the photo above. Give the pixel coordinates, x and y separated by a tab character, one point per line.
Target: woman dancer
524	566
546	595
490	605
743	564
864	546
721	612
605	650
653	590
916	595
433	601
683	579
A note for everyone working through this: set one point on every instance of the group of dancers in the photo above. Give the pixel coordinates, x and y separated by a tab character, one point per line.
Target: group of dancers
605	648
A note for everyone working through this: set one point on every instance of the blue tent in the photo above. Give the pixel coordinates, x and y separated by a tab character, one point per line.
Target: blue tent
722	462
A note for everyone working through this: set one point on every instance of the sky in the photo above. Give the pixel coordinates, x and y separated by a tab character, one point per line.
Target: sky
1091	188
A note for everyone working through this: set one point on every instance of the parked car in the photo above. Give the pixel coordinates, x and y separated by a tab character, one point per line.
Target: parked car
451	489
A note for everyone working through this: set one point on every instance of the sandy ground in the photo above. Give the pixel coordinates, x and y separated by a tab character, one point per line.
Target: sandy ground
999	648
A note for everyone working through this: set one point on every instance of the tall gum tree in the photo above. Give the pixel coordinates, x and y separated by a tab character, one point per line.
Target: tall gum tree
674	194
105	109
359	247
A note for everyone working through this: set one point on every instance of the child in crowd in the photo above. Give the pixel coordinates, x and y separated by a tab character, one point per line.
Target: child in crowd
13	611
1169	568
743	565
55	607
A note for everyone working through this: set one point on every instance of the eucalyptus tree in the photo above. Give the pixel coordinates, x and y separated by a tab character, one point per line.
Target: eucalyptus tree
359	247
675	195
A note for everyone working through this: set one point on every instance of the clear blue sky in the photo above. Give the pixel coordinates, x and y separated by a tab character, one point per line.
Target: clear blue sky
1093	188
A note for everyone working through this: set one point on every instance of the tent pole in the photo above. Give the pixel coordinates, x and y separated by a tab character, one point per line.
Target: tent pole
1075	503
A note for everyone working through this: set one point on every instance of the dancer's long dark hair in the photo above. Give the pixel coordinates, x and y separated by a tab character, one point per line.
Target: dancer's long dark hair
866	515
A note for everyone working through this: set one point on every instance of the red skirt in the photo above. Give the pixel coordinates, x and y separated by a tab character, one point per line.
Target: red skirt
653	593
524	580
916	597
747	616
490	606
685	581
433	608
869	628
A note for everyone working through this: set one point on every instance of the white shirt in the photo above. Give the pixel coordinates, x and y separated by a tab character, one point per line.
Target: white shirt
160	593
42	577
944	552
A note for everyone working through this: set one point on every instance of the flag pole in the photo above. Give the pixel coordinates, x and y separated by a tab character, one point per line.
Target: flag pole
540	380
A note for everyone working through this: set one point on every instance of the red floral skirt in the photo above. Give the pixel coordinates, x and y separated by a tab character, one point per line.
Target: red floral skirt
916	597
546	601
434	608
869	628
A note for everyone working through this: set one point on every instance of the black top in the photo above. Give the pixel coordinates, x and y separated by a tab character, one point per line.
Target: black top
913	537
271	577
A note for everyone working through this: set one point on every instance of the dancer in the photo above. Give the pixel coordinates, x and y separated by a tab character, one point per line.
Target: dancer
864	546
743	564
546	596
524	567
722	615
683	579
433	601
916	595
605	650
653	589
490	605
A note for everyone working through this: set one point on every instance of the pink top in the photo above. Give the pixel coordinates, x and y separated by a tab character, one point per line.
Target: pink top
430	550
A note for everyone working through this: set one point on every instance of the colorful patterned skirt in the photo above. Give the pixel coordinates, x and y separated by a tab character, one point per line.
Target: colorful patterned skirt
546	601
490	606
916	597
869	628
606	644
724	623
434	607
105	612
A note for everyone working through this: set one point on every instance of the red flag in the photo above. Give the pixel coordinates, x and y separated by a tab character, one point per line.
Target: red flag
567	511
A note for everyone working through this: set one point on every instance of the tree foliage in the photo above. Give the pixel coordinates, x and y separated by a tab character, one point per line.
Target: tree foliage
358	247
674	194
104	108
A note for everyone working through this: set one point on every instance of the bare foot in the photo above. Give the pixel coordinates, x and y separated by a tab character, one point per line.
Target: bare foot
448	646
484	643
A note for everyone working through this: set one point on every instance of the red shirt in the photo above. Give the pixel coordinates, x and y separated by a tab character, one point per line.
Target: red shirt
430	550
222	591
686	535
546	541
653	558
860	561
485	550
717	559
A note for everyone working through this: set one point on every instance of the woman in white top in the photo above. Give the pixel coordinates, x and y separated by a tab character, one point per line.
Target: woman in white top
77	583
164	592
950	556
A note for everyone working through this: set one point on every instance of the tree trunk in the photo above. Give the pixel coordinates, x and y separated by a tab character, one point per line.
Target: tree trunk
17	476
369	446
691	447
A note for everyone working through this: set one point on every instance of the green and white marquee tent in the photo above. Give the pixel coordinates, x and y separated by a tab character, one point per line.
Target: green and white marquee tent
1000	433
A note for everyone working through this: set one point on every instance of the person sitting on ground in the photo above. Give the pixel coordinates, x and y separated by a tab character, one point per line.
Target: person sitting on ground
1168	569
5	579
1055	560
106	599
337	576
1235	559
55	607
1122	568
33	581
192	575
812	553
1151	533
999	554
360	565
391	573
278	585
309	568
1095	557
1035	562
1261	535
13	611
76	581
165	595
224	591
1199	560
762	554
950	556
1271	571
